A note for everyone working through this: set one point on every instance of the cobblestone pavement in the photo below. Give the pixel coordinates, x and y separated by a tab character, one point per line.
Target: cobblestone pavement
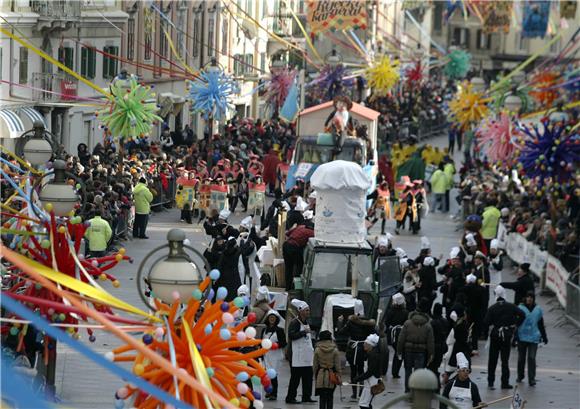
82	384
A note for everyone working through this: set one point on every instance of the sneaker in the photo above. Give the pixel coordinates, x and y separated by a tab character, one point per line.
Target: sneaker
533	383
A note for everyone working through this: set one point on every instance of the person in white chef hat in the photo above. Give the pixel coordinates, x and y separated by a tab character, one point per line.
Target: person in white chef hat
460	389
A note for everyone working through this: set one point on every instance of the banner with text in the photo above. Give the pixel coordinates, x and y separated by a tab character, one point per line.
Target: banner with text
556	277
335	15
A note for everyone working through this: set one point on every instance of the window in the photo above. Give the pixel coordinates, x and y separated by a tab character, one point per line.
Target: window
196	35
461	37
334	270
483	40
264	8
147	44
522	43
555	47
249	66
66	57
131	38
249	7
23	66
263	62
438	16
238	65
181	29
88	62
210	37
225	35
110	63
163	44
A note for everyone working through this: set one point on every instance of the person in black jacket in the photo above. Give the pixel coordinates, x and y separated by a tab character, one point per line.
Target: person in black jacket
522	285
441	330
273	359
476	306
372	374
395	317
428	279
358	328
300	354
504	317
227	256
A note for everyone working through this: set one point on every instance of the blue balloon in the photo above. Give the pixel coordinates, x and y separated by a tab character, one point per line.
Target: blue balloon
211	294
271	373
119	404
225	334
222	293
242	376
208	329
214	274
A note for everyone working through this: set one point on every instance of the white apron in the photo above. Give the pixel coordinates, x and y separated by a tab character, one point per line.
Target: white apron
461	396
366	396
273	358
494	276
302	350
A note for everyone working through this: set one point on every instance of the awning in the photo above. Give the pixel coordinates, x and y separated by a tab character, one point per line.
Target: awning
32	114
13	126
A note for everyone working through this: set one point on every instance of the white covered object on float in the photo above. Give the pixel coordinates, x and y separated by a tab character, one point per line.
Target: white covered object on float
341	188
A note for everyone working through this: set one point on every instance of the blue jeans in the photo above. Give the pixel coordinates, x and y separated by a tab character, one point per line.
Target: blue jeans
439	202
413	360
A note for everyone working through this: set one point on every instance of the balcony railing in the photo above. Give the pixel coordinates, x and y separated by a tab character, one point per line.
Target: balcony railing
54	87
57	9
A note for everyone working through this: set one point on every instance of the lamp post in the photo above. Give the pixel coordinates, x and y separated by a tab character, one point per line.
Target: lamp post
333	59
513	103
39	147
171	274
477	84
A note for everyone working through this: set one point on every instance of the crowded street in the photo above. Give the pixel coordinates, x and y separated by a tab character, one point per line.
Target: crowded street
346	204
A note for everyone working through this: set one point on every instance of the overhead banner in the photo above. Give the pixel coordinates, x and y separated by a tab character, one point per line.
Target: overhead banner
568	9
335	15
496	15
536	16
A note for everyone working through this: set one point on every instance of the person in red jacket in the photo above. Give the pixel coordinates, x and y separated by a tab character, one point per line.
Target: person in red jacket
296	239
271	162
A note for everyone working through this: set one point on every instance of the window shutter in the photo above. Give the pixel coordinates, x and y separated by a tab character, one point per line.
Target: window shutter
92	62
84	62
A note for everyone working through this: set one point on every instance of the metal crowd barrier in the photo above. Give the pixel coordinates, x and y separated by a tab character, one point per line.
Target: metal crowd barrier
163	197
573	303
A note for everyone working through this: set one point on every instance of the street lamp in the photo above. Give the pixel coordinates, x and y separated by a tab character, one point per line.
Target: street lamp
58	192
513	103
333	58
38	149
171	274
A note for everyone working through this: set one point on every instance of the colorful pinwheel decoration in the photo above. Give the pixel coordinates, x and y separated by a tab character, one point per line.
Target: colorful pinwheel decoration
383	76
132	110
211	93
468	107
414	75
548	154
207	340
279	86
545	90
458	64
331	82
495	136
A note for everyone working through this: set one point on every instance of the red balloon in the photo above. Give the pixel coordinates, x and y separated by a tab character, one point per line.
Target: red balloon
252	317
274	346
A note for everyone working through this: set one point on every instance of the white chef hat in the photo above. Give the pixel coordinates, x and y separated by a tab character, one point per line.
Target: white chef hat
403	263
428	261
224	214
494	244
313	195
383	241
263	293
470	279
462	362
286	206
499	292
401	253
301	205
308	214
454	252
505	212
425	244
453	316
299	304
372	340
246	222
390	237
243	290
470	240
359	308
398	299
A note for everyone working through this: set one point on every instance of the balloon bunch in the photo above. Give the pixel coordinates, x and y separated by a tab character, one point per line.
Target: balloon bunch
458	64
131	112
211	93
383	76
331	82
414	75
468	107
205	339
59	250
495	135
548	155
543	88
279	86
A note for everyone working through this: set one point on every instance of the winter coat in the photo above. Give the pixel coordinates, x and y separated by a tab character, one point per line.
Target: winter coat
374	368
260	309
449	171
98	234
521	286
438	182
326	359
228	267
395	318
490	222
299	236
476	301
142	197
461	333
357	328
416	335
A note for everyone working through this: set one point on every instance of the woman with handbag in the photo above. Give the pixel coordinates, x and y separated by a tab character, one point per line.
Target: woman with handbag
326	368
373	384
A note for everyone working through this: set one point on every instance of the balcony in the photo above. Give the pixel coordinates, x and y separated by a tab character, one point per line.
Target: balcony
58	87
57	14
